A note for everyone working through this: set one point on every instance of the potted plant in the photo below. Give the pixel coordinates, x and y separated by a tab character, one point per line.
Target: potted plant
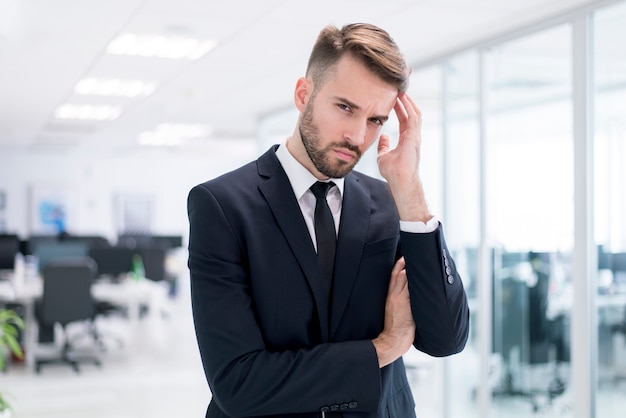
10	325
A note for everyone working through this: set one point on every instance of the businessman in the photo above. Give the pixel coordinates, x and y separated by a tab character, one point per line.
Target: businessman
309	280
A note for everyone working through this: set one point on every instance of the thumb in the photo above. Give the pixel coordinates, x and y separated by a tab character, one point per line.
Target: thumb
383	144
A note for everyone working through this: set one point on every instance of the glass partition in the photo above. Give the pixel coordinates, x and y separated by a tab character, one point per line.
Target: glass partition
529	176
425	373
425	89
610	206
461	220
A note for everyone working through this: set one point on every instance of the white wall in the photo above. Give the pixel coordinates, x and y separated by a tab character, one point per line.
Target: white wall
166	174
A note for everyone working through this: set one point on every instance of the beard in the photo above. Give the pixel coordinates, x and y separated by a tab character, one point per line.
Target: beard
321	157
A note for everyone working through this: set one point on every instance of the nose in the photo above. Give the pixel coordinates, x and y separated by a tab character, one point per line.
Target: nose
355	133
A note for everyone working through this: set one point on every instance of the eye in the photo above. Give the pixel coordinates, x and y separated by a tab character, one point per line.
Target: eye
377	121
345	107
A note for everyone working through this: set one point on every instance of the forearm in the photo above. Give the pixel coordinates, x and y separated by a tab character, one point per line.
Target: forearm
410	200
438	300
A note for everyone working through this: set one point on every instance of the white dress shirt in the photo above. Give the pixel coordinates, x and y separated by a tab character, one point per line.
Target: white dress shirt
301	179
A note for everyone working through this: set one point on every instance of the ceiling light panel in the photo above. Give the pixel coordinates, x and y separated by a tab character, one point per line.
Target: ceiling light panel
114	87
159	46
172	134
71	111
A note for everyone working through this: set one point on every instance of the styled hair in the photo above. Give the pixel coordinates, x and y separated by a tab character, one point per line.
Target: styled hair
369	44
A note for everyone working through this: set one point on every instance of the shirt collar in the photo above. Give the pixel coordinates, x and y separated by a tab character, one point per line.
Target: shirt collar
300	178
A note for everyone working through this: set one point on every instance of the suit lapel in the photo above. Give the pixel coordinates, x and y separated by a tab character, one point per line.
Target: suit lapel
355	221
279	195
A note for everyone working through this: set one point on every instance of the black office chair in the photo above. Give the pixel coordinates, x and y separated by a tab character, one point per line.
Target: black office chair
620	328
522	308
67	299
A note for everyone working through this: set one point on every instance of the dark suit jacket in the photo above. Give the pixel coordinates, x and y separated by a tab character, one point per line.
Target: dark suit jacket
270	341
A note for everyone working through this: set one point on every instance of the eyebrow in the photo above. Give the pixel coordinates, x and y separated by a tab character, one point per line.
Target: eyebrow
383	118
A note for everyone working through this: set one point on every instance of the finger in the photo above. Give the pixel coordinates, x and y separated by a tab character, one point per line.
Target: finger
398	277
409	104
403	282
401	111
399	266
383	144
412	109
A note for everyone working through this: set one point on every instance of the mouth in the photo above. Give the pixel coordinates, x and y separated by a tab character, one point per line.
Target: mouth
344	154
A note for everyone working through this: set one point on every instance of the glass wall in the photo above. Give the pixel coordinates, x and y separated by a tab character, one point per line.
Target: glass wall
610	206
529	186
426	375
498	170
425	89
461	220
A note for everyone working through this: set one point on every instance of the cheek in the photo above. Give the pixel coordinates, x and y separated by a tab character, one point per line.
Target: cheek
372	136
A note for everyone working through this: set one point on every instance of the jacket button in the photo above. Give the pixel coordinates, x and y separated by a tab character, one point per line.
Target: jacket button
334	407
343	406
324	409
352	405
450	279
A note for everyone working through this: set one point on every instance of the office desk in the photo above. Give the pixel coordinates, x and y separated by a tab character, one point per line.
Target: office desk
562	303
128	293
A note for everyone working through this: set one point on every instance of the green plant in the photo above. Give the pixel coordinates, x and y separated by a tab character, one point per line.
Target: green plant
10	325
4	405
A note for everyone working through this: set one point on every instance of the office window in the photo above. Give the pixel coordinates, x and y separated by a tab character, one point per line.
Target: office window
609	64
529	177
462	215
425	89
426	374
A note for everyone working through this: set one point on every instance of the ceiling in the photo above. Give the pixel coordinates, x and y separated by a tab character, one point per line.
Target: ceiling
47	46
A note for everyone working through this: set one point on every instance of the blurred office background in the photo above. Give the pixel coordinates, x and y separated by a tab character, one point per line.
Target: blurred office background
524	139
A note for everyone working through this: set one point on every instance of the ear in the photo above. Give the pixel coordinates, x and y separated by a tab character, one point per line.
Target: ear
303	90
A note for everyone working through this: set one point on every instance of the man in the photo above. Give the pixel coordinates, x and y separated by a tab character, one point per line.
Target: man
279	338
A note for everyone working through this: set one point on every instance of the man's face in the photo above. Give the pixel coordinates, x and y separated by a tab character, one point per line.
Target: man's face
343	118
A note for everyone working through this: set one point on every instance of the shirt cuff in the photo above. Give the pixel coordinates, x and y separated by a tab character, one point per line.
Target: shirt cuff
420	227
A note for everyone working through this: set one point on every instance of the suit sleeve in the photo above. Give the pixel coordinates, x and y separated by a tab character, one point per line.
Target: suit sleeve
245	378
438	299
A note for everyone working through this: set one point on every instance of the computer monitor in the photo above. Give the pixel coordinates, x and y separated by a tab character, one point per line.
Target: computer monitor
135	241
153	259
618	264
93	241
143	241
9	247
174	241
35	240
604	258
52	251
113	261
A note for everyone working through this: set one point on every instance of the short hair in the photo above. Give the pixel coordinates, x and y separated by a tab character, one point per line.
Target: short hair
369	44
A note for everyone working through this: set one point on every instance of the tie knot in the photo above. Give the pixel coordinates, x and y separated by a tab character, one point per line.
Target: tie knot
320	189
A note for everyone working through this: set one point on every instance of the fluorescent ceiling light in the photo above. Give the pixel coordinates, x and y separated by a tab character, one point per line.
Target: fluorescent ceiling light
114	87
87	112
171	134
160	46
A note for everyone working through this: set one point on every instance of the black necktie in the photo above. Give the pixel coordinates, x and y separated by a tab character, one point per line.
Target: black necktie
324	231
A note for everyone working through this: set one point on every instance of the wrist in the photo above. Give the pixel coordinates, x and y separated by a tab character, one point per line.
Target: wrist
385	351
411	202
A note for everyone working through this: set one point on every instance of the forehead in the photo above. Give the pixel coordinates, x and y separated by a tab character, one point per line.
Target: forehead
352	80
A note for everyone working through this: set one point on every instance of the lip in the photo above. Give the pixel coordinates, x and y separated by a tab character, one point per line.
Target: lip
344	154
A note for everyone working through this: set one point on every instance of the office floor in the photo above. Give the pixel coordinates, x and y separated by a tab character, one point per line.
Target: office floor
157	373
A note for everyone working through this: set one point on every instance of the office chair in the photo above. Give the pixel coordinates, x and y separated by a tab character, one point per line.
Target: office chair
525	329
620	328
66	299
